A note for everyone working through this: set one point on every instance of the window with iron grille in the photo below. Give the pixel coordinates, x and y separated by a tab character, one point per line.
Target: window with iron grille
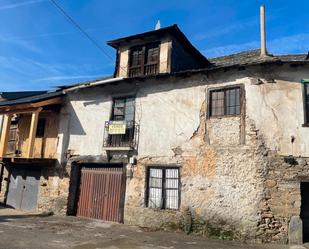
144	60
306	102
122	112
163	188
224	102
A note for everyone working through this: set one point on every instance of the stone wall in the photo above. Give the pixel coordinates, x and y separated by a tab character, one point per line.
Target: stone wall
221	182
53	191
232	169
282	196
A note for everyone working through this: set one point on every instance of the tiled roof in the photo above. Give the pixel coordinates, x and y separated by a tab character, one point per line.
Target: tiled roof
252	57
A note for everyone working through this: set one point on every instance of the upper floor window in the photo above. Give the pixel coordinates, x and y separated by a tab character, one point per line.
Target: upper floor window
224	102
123	109
306	102
144	60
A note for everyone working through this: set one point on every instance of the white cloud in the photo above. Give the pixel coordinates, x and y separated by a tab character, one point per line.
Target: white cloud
288	44
22	43
222	30
69	77
17	5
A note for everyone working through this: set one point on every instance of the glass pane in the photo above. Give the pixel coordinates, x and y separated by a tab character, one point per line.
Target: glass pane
172	199
155	198
155	173
171	173
231	110
171	183
119	102
217	103
129	117
155	182
118	111
237	110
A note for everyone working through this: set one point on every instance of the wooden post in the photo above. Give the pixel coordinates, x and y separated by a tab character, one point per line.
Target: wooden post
32	133
5	134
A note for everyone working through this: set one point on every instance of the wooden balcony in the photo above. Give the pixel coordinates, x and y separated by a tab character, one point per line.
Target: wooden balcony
30	131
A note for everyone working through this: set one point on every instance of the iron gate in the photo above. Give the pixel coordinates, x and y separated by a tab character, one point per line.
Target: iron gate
23	188
101	193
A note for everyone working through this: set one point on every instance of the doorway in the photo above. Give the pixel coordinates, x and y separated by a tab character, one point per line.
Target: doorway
304	213
101	193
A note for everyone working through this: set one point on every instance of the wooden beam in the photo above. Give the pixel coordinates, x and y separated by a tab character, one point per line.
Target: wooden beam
30	110
29	107
32	133
5	134
53	101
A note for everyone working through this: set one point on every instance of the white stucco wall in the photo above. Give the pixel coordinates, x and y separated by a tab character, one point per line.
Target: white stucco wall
169	113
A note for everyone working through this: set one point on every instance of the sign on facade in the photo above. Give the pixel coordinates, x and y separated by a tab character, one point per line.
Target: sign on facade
116	127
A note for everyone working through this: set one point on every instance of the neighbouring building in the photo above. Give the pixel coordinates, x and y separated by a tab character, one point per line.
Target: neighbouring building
173	140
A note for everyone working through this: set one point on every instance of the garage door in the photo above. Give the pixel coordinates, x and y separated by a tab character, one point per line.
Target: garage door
101	193
23	189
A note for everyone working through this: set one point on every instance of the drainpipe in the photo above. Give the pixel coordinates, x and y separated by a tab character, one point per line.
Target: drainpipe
263	32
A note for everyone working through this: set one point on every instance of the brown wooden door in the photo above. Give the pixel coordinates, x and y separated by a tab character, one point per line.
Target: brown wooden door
101	193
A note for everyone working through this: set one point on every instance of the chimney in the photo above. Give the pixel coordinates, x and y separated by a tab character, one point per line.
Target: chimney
263	32
158	25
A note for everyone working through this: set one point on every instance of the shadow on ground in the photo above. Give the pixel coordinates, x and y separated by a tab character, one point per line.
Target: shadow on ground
8	213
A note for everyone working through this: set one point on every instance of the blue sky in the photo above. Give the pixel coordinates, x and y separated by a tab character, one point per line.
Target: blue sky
40	49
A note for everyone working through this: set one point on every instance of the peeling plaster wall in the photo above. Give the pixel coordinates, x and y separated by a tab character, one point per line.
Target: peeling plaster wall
277	109
223	180
87	112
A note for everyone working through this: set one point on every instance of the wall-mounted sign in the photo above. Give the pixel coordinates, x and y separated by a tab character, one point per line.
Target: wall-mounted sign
116	127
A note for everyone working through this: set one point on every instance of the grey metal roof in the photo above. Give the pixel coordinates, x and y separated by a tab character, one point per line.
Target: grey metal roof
17	95
32	99
85	82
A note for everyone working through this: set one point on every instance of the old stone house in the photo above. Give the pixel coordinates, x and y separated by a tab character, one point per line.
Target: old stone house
173	140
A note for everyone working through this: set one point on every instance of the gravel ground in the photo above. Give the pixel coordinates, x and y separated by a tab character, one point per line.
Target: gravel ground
20	230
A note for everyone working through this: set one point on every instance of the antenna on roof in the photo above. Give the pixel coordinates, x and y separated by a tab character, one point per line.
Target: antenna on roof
158	25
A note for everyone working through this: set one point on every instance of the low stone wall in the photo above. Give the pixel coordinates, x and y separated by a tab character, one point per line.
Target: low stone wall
282	197
53	191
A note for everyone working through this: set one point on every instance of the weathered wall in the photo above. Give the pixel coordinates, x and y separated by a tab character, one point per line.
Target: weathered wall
43	147
224	179
53	190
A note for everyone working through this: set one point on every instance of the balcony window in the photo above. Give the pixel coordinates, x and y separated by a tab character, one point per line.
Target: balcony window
121	130
144	60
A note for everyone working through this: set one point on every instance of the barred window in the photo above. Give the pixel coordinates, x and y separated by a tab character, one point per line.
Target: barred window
224	101
163	188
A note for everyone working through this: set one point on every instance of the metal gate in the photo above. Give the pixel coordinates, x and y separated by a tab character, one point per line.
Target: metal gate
23	189
101	193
